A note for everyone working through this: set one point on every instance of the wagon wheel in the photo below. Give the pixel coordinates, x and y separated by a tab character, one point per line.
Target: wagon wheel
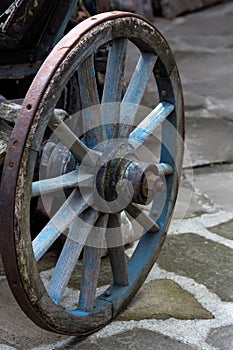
109	177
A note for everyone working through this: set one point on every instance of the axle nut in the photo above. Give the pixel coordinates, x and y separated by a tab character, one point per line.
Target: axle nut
151	185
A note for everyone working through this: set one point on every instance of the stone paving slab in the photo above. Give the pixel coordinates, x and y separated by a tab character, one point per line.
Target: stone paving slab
163	299
224	230
203	51
208	107
205	261
215	182
136	339
221	338
206	143
205	69
198	30
188	204
16	329
190	201
194	102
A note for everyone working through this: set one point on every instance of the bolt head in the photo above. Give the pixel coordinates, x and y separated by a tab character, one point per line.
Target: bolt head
151	185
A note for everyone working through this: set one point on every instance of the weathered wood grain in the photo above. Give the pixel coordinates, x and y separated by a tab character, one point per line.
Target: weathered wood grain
90	103
9	111
5	133
69	180
69	138
73	206
113	86
142	218
116	250
91	267
75	241
135	91
150	124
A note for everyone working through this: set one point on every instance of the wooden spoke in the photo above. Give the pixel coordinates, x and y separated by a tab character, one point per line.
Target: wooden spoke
90	97
88	86
69	180
64	269
76	239
77	147
74	205
135	91
150	124
91	265
144	220
113	86
116	250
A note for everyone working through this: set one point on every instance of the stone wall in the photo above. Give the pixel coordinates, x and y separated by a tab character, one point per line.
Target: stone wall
173	8
144	8
166	8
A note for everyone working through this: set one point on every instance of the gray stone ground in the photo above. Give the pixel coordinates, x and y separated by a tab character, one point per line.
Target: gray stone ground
187	300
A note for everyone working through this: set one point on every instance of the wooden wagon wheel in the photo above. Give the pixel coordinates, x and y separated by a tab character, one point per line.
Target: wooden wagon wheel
119	180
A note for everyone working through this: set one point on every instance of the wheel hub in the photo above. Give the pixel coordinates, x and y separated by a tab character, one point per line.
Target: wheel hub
123	179
120	178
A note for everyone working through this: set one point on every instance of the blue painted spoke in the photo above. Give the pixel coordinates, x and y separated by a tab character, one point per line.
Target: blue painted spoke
150	124
113	86
74	205
90	97
164	169
116	250
68	137
76	239
63	270
136	89
69	180
114	80
143	219
91	264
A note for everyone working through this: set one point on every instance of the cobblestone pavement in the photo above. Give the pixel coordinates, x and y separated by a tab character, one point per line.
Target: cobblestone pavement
187	300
